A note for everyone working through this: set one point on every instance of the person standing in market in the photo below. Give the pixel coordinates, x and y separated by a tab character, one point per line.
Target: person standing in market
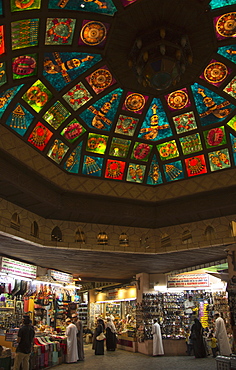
221	336
80	343
157	339
196	336
71	341
110	335
25	339
189	306
98	345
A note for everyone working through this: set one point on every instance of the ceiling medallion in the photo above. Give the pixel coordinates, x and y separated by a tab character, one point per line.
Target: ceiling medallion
177	99
101	78
93	33
215	72
135	102
226	25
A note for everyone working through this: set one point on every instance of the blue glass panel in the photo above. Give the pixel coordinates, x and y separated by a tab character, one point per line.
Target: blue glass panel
154	174
211	107
155	125
92	166
214	4
174	171
7	96
94	6
62	68
1	7
20	119
233	143
228	52
101	114
73	161
135	172
219	160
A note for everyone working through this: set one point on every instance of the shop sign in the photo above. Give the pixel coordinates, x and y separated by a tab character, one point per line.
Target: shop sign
22	269
112	294
188	281
61	276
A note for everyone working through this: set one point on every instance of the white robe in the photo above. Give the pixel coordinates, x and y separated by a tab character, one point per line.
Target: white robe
222	337
157	340
72	348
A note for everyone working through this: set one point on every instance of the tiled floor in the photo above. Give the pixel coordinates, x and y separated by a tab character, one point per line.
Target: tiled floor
123	360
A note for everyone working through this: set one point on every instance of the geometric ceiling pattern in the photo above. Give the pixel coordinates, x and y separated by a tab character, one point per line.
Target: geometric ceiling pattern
69	89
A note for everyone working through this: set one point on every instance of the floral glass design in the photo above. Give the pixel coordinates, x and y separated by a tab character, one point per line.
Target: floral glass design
24	33
77	96
72	163
20	119
57	151
135	172
19	5
215	137
191	144
114	169
126	125
185	122
37	96
56	115
40	136
7	96
196	165
155	125
96	143
231	88
24	66
61	68
59	31
141	151
154	174
219	160
119	147
73	131
97	6
173	171
168	150
92	166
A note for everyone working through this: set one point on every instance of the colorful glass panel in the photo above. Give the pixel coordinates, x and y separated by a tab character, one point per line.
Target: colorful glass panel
141	151
77	96
97	6
100	79
114	169
168	150
119	147
20	119
62	68
196	165
178	99
3	75
92	166
59	31
101	114
126	125
219	160
214	4
24	33
56	115
154	173
184	122
19	5
233	145
93	33
73	131
232	123
191	144
135	102
127	2
57	151
215	137
211	107
135	172
7	96
40	136
73	161
96	143
1	7
231	88
24	66
225	26
2	40
155	125
37	96
228	52
173	171
215	73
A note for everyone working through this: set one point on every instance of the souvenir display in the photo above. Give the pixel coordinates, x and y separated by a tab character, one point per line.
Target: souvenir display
24	33
219	160
37	96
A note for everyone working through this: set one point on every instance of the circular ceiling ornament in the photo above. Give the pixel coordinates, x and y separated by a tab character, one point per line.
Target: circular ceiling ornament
101	79
93	33
135	102
226	25
215	72
177	99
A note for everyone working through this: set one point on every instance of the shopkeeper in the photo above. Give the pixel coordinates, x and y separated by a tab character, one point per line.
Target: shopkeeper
189	306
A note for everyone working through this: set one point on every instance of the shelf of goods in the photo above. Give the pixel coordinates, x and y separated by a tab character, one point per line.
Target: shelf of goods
49	350
82	311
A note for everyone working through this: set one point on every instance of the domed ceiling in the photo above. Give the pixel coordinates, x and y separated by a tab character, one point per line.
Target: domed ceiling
131	91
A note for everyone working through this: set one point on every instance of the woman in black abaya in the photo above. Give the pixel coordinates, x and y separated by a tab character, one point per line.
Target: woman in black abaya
98	345
197	339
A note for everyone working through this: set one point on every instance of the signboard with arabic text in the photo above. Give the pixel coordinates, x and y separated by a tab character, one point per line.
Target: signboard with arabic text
17	268
188	281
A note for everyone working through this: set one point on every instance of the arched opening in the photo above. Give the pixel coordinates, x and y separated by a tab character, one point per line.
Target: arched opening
124	240
15	221
102	238
80	236
56	234
209	233
34	229
187	237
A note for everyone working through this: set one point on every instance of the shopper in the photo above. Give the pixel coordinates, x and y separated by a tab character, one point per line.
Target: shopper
157	339
213	345
25	339
196	336
221	336
71	339
98	344
110	335
80	343
189	343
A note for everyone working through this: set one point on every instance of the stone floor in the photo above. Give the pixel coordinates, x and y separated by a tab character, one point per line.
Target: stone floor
123	360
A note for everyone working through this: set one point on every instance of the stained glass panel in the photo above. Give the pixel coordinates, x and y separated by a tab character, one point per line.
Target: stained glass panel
154	173
24	33
214	4
93	33
232	123
73	161
114	169
73	131
231	88
59	31
3	75
141	151
178	99
185	122
219	160
126	125
56	115
1	7
135	172
2	40
191	144
40	136
215	137
37	96
119	147
92	166
57	151
215	73
7	96
228	52
19	5
24	66
224	26
97	6
20	119
77	96
173	171
196	165
100	79
233	145
97	143
168	150
135	102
